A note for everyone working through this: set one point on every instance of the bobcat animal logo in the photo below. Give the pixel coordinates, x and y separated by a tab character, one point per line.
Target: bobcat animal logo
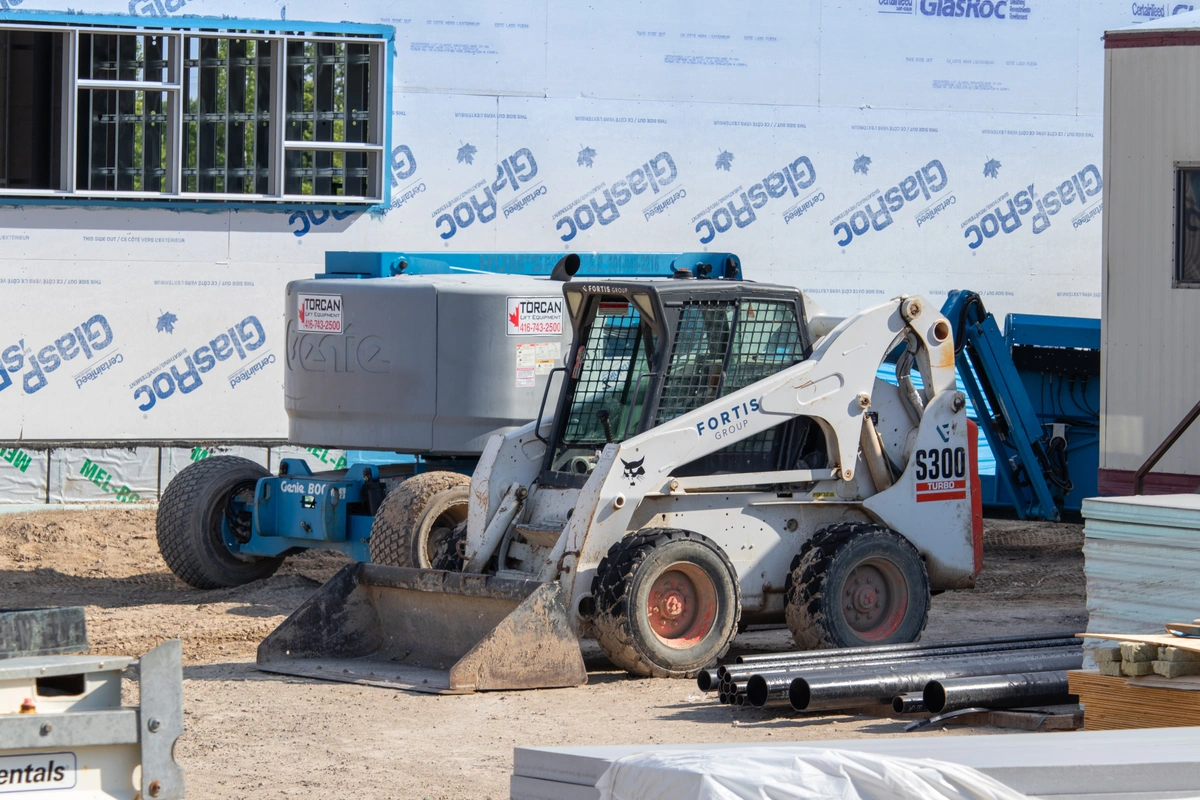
634	470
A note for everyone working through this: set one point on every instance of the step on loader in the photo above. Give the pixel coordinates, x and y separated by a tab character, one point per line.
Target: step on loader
717	458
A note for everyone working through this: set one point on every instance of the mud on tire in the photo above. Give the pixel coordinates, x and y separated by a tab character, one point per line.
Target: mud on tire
416	517
634	584
189	524
857	584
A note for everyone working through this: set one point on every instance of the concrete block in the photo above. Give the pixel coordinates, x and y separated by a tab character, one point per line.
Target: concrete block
1174	669
1138	651
1102	654
1135	668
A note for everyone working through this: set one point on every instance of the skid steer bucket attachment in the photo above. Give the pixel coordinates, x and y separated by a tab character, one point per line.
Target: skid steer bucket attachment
428	630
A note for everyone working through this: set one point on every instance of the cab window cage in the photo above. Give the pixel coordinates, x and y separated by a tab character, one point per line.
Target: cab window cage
92	111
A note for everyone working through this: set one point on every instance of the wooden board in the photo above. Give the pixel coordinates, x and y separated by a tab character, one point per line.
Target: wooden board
1160	639
1110	703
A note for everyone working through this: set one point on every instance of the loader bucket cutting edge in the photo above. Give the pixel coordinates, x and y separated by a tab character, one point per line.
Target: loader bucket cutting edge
430	631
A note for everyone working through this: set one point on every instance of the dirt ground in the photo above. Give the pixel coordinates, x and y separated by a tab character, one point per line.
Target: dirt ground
251	734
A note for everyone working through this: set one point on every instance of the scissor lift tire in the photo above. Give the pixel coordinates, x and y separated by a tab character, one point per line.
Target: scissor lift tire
189	524
416	516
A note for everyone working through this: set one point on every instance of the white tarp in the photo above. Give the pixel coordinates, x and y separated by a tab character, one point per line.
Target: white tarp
856	148
750	773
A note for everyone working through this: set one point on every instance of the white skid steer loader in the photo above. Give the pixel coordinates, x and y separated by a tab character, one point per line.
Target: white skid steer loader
709	466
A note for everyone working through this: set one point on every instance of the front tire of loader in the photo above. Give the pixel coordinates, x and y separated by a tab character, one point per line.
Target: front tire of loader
857	584
417	517
666	603
195	515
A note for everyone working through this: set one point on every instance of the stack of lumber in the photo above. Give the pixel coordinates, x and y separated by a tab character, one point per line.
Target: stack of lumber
1147	681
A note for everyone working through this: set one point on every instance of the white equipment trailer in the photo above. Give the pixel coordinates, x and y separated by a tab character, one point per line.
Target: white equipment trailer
716	459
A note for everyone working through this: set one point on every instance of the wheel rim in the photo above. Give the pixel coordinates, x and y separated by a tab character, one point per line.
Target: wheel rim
235	519
682	605
442	528
874	599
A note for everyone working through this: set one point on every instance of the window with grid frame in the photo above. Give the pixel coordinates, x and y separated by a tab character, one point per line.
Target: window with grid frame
191	114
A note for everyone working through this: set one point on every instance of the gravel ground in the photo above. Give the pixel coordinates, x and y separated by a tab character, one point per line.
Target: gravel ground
250	734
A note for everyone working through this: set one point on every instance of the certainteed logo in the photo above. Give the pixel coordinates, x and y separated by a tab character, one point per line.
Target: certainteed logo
36	773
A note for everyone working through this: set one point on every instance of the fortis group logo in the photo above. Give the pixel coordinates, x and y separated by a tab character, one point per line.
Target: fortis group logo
963	9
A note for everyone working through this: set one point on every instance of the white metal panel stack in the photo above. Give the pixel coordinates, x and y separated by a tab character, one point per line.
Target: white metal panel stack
1142	559
1105	764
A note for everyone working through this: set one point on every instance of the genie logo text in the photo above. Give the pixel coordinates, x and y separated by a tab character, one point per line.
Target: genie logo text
603	203
738	207
472	205
181	373
864	217
1005	214
86	339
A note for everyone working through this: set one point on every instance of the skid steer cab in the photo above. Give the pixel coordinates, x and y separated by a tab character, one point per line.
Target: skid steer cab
715	458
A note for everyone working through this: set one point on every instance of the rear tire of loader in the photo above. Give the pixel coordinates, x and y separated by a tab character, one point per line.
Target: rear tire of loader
666	603
192	518
416	517
856	584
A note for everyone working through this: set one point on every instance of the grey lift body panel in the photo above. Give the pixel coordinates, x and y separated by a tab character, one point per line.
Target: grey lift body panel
424	363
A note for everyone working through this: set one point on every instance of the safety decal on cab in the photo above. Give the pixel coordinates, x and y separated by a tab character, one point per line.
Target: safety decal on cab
320	313
528	316
941	474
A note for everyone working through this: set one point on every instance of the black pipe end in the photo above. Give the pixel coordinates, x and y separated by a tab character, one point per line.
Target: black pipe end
934	696
898	704
704	679
799	695
756	691
566	268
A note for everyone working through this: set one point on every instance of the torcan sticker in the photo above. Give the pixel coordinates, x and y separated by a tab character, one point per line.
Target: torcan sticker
941	474
528	316
320	313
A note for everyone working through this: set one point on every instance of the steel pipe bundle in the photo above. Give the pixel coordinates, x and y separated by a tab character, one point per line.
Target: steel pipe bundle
996	691
774	673
845	678
879	684
1026	641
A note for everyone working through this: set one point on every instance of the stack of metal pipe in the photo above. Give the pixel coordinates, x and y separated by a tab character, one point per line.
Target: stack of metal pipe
1004	672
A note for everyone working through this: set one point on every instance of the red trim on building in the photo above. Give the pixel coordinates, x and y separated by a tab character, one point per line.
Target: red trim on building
1120	482
1118	41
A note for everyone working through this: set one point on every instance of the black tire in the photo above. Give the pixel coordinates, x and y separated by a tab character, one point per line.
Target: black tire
696	572
189	524
890	605
416	517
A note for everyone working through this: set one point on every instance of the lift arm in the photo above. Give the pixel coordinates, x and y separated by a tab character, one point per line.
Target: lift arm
1006	415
